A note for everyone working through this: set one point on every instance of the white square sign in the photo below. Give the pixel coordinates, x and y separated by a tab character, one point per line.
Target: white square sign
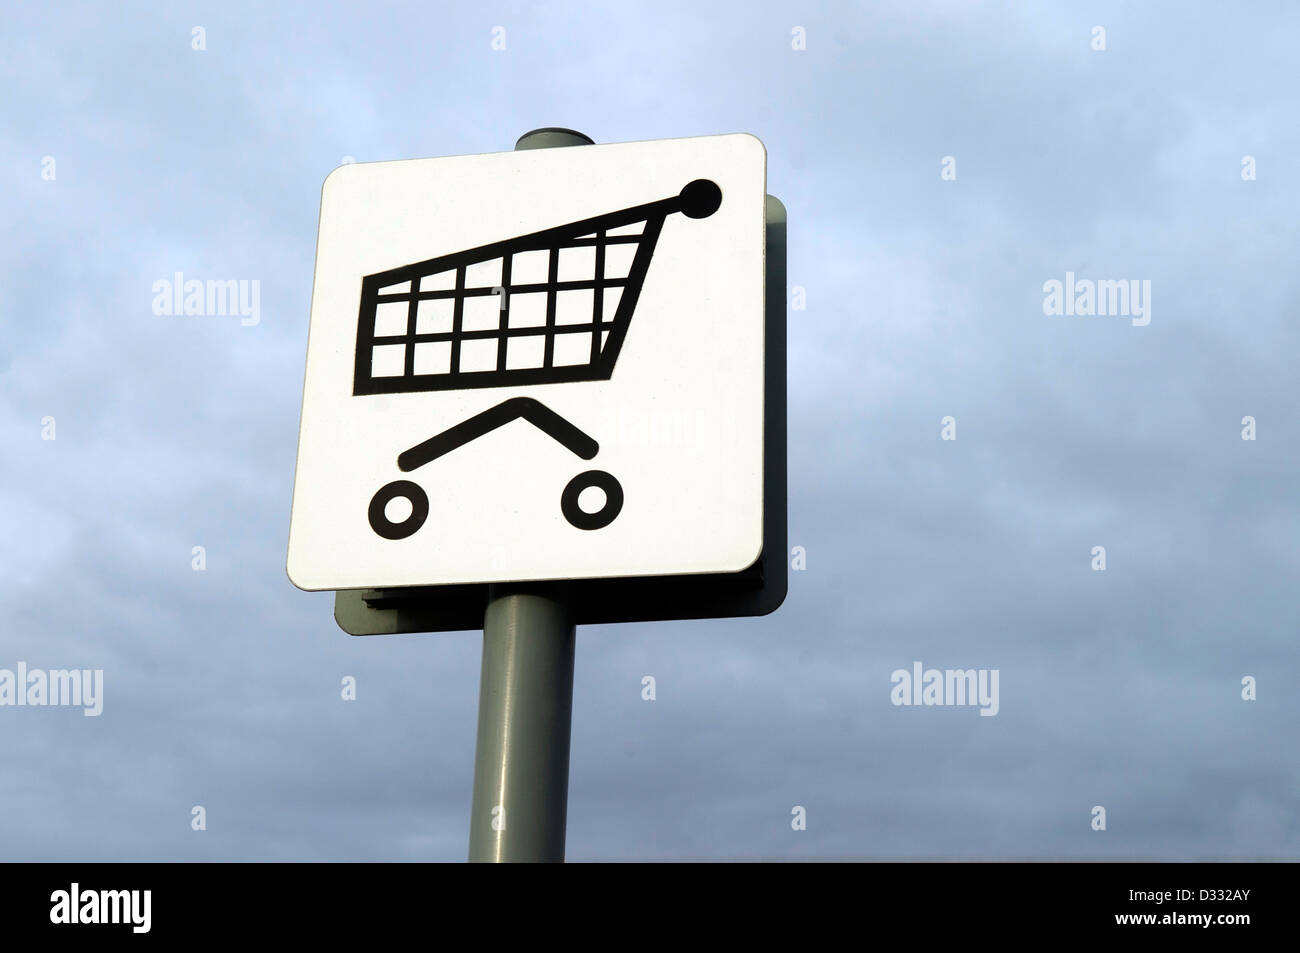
535	365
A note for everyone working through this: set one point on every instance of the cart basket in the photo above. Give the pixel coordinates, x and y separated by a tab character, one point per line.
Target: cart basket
544	308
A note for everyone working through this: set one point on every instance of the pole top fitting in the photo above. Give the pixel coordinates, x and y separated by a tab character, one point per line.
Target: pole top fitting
550	137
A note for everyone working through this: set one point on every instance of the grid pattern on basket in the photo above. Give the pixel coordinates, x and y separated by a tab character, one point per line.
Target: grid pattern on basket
534	308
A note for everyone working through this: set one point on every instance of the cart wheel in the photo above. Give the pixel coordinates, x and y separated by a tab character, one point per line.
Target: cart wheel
385	527
602	517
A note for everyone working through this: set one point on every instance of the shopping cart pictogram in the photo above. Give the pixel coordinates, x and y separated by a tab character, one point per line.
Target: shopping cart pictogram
544	308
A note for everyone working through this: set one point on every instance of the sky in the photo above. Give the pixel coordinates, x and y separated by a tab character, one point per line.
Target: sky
940	163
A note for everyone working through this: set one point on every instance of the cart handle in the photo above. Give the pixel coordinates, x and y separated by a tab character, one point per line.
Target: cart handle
699	199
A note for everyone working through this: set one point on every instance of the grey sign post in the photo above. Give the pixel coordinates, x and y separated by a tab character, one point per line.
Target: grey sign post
525	702
521	763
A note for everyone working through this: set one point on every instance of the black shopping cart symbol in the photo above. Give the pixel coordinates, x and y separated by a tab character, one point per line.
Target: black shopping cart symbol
500	315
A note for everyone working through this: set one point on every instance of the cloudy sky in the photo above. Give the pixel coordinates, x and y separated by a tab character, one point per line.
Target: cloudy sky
127	155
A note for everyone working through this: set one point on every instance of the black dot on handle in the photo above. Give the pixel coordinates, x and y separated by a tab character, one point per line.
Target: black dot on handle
700	198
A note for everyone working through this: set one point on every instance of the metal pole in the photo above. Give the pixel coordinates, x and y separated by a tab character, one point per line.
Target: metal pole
521	766
525	702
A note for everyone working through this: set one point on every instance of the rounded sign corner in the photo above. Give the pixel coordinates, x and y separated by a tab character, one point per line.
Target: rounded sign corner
295	576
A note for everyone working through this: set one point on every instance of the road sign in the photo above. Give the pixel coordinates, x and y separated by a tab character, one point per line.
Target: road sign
542	365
